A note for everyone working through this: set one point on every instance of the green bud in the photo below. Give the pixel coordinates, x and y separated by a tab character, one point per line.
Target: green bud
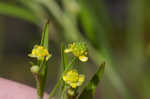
35	69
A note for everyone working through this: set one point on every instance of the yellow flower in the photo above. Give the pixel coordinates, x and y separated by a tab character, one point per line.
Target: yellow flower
73	78
79	49
40	53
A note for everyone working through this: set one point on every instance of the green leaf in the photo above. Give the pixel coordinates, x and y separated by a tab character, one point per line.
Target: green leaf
64	62
44	40
90	88
18	12
64	59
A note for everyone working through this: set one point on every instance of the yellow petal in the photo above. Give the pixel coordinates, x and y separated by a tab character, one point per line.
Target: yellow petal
64	78
81	78
31	55
48	57
83	58
73	85
67	50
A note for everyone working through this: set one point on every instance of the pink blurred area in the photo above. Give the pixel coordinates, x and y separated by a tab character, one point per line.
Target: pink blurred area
13	90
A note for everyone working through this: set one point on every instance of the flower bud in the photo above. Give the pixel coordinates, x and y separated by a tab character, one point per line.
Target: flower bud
35	69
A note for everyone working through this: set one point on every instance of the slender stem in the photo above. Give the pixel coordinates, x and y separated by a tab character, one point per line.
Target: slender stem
63	92
70	65
40	79
54	89
38	86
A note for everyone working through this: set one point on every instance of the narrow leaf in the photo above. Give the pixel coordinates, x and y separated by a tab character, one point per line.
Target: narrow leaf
44	40
63	57
90	88
64	61
18	12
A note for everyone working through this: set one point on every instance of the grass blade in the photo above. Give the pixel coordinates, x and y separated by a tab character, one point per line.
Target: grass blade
44	40
63	57
16	11
91	86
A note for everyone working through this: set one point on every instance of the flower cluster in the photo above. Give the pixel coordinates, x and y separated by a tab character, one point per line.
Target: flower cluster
40	53
79	49
73	78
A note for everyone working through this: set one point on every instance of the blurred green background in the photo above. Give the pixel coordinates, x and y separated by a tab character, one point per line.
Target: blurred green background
117	31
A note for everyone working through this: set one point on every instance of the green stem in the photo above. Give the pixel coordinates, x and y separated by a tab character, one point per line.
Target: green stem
63	95
40	79
39	89
54	89
70	65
